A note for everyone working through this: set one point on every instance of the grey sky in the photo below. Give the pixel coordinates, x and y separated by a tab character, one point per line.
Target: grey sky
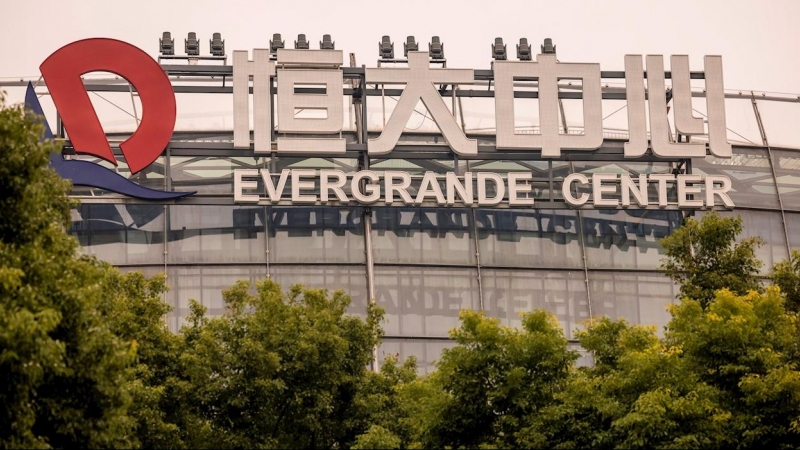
755	38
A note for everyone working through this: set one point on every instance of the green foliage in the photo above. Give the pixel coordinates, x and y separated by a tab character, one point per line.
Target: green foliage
276	370
382	403
64	373
135	311
87	361
494	379
722	377
786	275
376	438
704	257
744	347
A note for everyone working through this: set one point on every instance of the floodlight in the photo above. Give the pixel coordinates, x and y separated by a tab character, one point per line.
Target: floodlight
436	48
386	48
548	46
192	45
410	45
276	43
326	43
217	45
301	43
524	50
167	44
499	50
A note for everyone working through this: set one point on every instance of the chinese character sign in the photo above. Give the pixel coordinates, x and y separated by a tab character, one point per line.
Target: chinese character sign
647	104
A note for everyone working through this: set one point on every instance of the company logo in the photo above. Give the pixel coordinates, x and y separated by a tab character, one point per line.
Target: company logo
62	72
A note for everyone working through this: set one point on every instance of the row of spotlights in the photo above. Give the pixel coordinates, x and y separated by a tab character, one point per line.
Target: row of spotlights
524	52
386	47
191	44
436	48
301	43
217	44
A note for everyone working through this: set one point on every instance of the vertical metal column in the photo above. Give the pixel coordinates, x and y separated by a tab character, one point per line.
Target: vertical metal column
765	141
474	228
360	107
168	187
583	252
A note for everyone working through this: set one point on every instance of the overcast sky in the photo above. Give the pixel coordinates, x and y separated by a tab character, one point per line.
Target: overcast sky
757	39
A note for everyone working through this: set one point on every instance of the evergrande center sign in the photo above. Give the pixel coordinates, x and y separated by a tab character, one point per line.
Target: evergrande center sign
312	80
295	69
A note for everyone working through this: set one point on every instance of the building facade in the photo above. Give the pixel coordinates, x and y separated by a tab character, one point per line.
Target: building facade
425	263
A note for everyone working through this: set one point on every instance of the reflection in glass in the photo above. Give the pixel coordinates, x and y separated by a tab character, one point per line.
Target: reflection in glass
351	279
528	238
627	239
216	233
204	284
316	234
417	235
120	234
508	294
787	171
151	176
209	174
766	225
424	301
750	174
639	298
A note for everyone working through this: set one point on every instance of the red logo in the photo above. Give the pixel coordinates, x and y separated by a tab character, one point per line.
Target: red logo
62	71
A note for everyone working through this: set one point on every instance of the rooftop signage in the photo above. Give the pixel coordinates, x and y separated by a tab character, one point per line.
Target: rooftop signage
296	68
294	71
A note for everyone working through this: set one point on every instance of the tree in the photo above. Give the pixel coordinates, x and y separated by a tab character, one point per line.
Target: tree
744	346
387	410
493	380
786	275
64	373
723	376
275	370
135	311
703	257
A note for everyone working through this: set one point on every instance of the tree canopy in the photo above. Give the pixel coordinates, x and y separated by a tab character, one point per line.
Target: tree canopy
86	358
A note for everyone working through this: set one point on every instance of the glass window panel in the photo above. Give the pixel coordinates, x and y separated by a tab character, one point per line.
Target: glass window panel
424	301
148	271
120	234
750	174
766	225
508	294
417	235
787	171
639	298
528	238
346	165
585	359
209	174
351	279
204	284
151	176
627	239
427	352
793	228
316	234
216	233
